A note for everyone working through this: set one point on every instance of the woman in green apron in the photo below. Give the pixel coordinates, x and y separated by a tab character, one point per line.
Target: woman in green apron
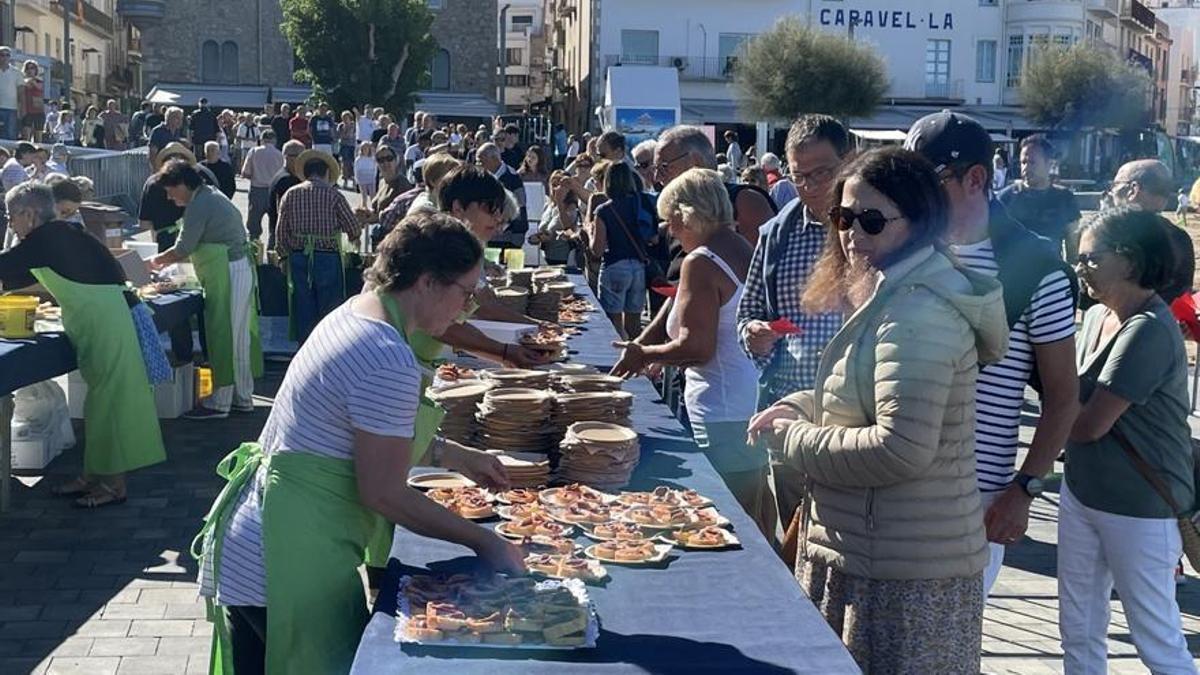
332	460
121	431
213	239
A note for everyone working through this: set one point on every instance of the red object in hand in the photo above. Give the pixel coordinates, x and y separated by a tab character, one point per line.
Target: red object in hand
785	326
1184	309
667	291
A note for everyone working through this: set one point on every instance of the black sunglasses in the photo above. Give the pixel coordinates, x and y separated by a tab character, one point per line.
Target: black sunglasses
872	221
385	158
1090	260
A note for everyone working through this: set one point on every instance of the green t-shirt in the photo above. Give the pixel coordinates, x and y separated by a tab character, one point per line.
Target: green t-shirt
1145	364
210	218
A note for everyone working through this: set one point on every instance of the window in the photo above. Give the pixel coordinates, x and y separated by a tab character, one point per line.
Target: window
514	55
47	51
229	62
521	22
439	70
639	46
516	80
729	47
58	48
1016	58
985	61
937	68
210	61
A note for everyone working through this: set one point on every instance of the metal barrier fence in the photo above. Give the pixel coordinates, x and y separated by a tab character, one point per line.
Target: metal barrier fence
118	176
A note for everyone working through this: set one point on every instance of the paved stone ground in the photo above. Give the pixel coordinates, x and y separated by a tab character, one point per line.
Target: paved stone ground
113	591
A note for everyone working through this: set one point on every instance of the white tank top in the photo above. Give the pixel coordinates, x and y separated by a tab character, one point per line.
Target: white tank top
726	388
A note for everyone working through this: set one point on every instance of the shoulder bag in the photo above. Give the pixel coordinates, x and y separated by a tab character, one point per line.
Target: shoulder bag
1188	531
655	275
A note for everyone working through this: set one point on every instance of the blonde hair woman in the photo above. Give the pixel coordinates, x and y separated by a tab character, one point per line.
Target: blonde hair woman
701	336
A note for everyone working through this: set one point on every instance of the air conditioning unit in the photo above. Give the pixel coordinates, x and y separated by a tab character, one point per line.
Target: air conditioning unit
679	62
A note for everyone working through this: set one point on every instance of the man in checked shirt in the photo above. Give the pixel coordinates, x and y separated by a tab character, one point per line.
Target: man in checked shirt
788	248
312	217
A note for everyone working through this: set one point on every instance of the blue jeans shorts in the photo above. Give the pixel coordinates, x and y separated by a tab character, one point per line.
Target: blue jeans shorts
623	287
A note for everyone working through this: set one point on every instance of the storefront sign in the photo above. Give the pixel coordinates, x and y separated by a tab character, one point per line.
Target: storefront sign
886	18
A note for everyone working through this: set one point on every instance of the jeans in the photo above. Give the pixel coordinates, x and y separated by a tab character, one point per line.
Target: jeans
1098	551
260	201
313	298
8	124
623	287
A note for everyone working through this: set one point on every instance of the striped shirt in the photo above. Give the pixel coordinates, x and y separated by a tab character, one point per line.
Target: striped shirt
354	373
1000	392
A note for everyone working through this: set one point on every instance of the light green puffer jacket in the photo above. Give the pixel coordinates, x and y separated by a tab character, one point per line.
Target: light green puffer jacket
887	440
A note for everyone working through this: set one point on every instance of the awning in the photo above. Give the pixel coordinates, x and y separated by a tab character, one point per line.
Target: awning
290	94
241	97
711	111
1001	121
884	136
446	104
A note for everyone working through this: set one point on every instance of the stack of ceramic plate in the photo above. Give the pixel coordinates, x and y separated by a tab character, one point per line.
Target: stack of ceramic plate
543	305
596	406
564	289
513	298
521	278
460	400
544	275
552	345
516	377
578	383
516	419
525	469
598	454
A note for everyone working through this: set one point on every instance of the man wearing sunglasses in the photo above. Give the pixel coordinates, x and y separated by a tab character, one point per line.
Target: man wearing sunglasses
1147	184
789	246
1040	295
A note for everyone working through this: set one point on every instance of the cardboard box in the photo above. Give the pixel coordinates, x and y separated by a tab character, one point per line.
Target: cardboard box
171	398
135	268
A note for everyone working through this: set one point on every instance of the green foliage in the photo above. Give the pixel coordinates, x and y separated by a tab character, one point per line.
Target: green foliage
361	51
1084	86
792	69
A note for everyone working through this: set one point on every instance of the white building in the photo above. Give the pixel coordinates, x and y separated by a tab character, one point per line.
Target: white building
525	53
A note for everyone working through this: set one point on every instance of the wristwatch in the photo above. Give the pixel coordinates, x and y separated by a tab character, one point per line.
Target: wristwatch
1032	485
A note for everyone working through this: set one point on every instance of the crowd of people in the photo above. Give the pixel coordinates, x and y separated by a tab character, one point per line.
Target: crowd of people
855	331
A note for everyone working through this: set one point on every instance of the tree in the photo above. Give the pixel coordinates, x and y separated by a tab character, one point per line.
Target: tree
1084	86
361	51
792	69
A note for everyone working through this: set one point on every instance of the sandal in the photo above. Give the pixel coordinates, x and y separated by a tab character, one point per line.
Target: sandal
103	495
73	488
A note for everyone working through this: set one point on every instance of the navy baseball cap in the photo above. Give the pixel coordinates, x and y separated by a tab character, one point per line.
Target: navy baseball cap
948	138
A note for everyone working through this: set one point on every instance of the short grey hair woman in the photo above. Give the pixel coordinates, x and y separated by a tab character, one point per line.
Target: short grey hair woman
1114	528
101	319
701	335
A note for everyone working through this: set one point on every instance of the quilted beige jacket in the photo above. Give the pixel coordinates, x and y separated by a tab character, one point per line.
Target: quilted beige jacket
887	439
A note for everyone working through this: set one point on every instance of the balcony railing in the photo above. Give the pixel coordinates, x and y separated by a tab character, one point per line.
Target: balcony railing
1138	15
1107	8
944	90
691	68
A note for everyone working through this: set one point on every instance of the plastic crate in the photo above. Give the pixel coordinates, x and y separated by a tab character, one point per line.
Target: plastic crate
32	453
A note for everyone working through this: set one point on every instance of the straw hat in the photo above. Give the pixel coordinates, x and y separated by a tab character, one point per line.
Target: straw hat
335	170
178	150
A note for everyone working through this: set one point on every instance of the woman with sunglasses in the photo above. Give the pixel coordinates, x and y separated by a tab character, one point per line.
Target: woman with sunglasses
700	335
892	549
1114	528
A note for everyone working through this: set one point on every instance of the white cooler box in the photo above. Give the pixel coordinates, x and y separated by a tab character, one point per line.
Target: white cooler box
171	398
32	453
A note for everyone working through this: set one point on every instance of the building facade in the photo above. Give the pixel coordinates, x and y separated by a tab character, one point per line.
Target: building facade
524	55
970	54
226	42
464	71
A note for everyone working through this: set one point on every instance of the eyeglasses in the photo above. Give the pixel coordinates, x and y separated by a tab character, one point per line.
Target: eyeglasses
385	158
1090	260
643	165
813	178
872	221
665	164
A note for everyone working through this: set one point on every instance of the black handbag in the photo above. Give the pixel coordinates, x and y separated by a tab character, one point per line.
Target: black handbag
655	274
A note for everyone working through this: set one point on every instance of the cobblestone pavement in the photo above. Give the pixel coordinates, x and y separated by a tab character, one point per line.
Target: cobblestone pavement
113	591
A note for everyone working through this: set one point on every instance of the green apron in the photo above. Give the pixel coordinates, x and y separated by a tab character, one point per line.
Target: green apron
212	269
310	512
309	249
429	418
121	431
